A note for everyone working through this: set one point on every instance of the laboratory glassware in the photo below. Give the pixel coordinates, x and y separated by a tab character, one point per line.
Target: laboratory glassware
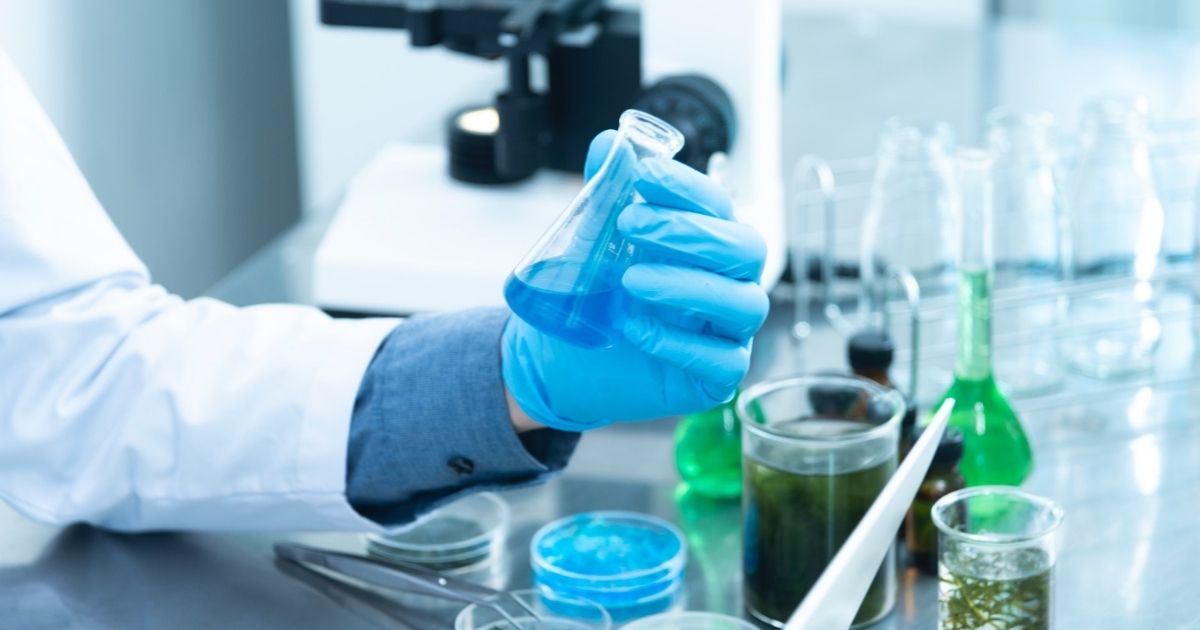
996	450
1029	229
708	451
461	537
818	449
690	621
632	564
1116	230
569	284
553	612
996	557
942	479
909	221
834	600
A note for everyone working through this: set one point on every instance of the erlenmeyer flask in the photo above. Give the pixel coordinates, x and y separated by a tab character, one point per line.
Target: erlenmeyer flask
1027	248
569	284
910	217
1116	231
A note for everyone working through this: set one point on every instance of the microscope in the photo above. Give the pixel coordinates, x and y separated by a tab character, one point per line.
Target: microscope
426	228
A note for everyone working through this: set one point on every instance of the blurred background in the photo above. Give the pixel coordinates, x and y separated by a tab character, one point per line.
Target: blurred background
208	126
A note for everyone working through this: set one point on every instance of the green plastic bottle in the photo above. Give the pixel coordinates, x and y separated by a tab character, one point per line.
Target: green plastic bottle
708	452
995	449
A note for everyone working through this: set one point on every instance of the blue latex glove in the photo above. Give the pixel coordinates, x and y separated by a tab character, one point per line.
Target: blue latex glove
686	346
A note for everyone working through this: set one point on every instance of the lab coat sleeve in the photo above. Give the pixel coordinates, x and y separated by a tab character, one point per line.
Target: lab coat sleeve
431	421
127	407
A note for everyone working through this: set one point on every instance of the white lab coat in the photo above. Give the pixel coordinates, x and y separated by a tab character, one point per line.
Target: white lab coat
125	406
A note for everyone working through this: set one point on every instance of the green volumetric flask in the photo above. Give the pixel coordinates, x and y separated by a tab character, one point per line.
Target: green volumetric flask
996	450
708	452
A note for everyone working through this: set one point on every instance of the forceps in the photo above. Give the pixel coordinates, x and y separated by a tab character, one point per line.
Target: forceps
409	579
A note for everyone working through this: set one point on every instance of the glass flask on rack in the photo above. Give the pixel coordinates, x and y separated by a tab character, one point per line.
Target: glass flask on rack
995	449
909	221
569	284
1029	220
1116	234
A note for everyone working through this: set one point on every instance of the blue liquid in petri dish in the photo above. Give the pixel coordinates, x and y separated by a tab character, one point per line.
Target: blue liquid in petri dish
548	297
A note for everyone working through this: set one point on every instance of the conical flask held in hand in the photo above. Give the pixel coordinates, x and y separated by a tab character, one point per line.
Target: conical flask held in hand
569	284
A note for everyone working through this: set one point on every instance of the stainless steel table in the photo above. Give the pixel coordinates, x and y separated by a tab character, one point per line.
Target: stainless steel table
1123	459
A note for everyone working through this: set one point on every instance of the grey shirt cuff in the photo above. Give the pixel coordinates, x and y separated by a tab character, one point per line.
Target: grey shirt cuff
431	421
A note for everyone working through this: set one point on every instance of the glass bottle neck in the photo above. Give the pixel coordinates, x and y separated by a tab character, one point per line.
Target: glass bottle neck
974	358
973	361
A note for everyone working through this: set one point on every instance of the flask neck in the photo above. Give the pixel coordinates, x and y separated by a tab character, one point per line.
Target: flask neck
974	357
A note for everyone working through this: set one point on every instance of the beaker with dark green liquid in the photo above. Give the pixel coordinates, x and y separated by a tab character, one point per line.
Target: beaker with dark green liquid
817	450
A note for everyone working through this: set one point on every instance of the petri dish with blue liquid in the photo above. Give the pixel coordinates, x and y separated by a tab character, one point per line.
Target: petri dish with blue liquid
631	564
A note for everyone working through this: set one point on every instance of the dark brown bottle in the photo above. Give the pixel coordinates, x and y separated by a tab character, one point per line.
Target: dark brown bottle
943	478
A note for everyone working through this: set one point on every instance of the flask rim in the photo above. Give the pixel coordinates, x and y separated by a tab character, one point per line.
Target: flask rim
651	131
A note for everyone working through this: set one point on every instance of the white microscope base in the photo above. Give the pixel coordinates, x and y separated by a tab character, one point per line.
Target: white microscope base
410	239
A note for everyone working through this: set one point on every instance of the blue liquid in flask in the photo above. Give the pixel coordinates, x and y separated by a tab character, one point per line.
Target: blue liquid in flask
547	296
569	285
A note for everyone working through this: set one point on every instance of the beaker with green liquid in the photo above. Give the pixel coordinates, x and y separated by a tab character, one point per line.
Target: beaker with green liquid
996	450
817	450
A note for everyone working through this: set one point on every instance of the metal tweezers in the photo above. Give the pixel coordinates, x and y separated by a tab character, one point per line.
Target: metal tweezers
406	578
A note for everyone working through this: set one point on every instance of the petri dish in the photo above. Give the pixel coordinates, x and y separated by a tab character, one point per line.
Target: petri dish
554	613
690	621
630	563
459	537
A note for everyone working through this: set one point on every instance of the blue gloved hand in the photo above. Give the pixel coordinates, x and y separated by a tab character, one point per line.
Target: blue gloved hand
686	346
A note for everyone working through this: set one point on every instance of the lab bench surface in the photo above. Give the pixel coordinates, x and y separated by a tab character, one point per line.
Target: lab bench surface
1124	462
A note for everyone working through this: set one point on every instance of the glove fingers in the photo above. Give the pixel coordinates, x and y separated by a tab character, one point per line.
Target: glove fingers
720	364
726	247
729	308
665	182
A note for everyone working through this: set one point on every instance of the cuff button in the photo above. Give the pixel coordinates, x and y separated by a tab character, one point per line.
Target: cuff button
461	466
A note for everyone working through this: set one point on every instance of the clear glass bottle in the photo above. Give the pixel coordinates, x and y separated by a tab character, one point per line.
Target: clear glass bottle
1116	231
569	284
1029	231
708	451
909	221
996	450
942	478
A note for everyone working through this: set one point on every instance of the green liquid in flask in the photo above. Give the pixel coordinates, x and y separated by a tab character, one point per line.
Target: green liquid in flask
708	451
995	449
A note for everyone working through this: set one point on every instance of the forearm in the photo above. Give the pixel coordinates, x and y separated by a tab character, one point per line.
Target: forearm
433	420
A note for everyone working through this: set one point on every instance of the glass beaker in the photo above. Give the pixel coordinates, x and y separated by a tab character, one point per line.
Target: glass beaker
1027	245
996	556
1116	231
817	451
910	217
569	284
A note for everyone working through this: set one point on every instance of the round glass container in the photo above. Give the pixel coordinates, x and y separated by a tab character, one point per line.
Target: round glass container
817	451
555	613
996	557
460	537
690	621
630	563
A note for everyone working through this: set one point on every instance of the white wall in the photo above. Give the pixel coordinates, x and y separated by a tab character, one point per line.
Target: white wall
180	115
360	88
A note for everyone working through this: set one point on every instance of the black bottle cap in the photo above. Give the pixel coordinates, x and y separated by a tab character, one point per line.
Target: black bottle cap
950	449
908	424
871	349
